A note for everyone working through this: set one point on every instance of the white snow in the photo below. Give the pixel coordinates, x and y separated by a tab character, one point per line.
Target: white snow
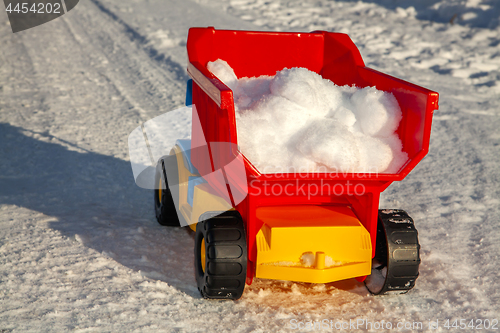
72	90
307	259
296	121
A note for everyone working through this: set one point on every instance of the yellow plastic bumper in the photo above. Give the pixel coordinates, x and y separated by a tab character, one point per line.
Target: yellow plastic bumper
317	244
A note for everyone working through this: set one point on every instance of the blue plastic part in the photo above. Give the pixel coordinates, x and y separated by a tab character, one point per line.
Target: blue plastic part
192	182
185	146
189	92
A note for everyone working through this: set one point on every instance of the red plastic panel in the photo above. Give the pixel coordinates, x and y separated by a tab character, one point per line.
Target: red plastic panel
255	53
417	105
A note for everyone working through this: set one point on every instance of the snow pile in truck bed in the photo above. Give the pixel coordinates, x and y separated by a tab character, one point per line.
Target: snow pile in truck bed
296	121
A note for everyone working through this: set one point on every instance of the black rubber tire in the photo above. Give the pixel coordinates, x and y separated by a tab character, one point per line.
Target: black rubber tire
165	208
225	270
397	253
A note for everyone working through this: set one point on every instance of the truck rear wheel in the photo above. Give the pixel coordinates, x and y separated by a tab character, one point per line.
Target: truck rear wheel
220	254
165	208
397	257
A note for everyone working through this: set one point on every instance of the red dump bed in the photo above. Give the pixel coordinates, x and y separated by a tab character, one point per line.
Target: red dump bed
335	57
332	55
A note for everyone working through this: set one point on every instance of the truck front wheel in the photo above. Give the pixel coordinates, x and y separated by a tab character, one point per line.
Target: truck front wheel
165	209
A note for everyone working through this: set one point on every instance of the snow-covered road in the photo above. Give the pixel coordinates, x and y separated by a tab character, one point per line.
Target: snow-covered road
80	249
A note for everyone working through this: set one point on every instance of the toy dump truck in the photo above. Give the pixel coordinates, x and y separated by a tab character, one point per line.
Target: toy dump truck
244	229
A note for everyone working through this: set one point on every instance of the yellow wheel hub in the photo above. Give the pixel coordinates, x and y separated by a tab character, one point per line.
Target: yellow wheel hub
202	254
159	191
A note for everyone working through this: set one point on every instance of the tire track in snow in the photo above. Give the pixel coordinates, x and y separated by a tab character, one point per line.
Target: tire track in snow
145	85
153	53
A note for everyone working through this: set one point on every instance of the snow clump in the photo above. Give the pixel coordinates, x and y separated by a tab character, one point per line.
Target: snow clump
297	121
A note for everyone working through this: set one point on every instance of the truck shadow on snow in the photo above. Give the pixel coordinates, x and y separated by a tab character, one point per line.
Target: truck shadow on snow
94	200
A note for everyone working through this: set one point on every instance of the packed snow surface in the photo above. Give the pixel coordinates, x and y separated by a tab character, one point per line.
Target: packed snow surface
297	121
80	249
